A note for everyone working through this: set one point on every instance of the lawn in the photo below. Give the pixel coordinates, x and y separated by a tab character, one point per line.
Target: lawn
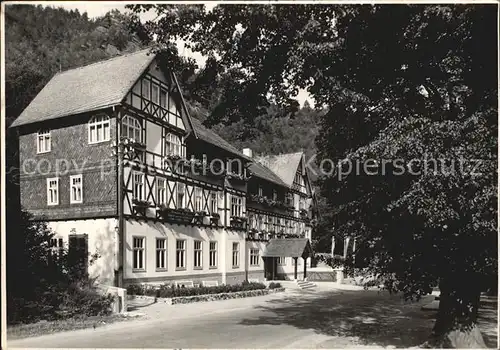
47	327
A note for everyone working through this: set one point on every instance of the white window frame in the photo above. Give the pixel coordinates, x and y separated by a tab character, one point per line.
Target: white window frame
260	191
173	145
212	254
55	189
161	191
41	145
198	254
198	199
147	83
138	187
164	105
180	254
214	204
74	187
155	97
180	203
161	251
254	256
131	128
235	256
103	121
137	256
282	260
236	206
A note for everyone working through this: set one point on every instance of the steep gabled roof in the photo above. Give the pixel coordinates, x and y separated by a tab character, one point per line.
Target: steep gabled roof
265	173
215	139
283	165
95	86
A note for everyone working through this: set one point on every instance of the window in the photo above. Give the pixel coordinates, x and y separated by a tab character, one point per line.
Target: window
236	206
282	261
198	254
236	254
213	203
198	199
155	91
131	128
290	199
180	195
260	222
161	254
301	203
76	185
260	191
43	142
160	191
213	254
173	145
251	220
139	260
99	129
145	88
275	195
53	191
138	186
57	246
180	258
254	257
234	166
163	98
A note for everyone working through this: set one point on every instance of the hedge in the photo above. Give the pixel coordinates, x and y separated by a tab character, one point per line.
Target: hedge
167	291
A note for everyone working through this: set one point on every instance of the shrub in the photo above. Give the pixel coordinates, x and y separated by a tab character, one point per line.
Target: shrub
43	285
84	300
274	285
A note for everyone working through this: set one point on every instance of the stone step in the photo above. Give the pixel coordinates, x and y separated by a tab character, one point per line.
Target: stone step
306	285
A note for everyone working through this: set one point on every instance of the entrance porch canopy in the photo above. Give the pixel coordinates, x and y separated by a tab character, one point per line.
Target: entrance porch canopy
288	247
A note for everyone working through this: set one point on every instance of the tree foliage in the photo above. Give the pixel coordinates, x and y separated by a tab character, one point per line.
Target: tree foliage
412	84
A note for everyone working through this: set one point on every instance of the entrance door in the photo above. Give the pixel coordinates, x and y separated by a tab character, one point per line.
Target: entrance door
270	268
78	255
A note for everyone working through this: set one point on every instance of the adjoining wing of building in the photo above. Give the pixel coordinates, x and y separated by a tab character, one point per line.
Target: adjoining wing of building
111	159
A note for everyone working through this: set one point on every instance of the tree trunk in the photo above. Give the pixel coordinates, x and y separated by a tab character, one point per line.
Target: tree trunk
455	325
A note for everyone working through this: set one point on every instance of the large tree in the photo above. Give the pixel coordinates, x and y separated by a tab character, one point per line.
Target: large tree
414	86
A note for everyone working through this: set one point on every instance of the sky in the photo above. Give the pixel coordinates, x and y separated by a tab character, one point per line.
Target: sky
98	8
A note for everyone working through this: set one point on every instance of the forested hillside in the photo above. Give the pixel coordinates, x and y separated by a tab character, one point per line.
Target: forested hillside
40	41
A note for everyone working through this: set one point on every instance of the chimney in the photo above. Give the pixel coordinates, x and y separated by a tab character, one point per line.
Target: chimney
248	152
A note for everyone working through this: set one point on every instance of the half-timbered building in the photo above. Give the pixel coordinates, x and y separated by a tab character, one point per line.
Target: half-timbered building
112	160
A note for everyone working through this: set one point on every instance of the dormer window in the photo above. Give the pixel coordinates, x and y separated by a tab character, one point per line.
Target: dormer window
131	128
99	129
43	142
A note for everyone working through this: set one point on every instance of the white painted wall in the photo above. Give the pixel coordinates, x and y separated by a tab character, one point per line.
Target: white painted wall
172	232
102	239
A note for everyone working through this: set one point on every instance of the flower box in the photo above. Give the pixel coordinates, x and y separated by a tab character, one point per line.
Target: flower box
238	222
178	215
214	219
140	206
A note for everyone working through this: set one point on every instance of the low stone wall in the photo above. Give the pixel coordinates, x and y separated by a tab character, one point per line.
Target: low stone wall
319	276
208	297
